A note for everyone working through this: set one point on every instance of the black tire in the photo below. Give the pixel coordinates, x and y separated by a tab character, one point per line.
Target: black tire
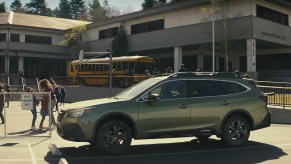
113	137
235	131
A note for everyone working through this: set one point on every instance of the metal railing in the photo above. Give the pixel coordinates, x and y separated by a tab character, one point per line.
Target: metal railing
279	93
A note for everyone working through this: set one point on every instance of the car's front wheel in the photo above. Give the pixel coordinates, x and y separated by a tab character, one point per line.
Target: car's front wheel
235	131
113	137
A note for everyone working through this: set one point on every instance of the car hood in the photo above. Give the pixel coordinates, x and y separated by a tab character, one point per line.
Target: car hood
88	103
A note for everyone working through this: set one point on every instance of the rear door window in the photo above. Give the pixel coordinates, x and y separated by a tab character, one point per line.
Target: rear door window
202	88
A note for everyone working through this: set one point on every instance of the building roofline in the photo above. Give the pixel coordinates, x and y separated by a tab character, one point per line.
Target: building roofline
283	3
152	11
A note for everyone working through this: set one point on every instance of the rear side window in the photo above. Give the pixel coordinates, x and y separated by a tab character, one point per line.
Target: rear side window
201	88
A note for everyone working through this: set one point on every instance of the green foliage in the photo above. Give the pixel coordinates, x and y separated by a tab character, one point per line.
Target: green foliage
119	43
38	7
16	5
78	9
148	4
96	11
2	7
63	11
73	34
152	3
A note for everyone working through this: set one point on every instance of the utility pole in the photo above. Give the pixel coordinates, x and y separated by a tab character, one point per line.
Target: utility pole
9	22
213	38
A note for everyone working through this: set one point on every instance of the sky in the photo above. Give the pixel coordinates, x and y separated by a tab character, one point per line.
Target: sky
121	4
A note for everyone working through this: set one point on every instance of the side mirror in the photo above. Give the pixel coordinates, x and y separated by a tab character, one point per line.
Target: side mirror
151	98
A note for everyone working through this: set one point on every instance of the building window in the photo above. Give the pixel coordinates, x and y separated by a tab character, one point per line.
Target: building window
148	26
272	15
14	37
108	33
2	37
38	39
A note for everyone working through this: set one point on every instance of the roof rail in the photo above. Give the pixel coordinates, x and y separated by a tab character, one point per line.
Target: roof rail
204	74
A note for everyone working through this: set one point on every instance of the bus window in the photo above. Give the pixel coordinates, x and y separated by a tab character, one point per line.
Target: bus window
124	66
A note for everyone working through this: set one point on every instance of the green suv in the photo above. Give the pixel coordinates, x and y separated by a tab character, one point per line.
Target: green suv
176	105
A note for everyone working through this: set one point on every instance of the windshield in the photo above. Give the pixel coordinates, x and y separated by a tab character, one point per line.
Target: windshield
135	90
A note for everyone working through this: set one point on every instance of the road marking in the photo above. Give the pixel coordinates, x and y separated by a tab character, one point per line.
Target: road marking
31	153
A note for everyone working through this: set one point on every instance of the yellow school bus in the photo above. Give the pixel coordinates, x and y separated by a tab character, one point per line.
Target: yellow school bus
128	70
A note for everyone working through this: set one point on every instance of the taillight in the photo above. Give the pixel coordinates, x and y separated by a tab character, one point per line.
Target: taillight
264	98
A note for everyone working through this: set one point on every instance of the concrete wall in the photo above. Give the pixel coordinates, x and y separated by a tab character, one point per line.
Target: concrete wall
280	115
74	94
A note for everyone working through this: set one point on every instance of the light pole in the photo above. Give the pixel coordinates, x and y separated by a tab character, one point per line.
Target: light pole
9	22
213	38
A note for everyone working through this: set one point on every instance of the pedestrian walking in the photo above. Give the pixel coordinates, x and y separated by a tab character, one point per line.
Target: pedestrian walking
58	96
45	86
182	68
33	111
63	95
2	103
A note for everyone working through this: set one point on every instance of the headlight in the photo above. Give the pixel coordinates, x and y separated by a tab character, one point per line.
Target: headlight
79	112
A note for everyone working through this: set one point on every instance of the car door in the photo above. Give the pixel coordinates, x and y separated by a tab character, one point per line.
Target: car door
210	102
169	113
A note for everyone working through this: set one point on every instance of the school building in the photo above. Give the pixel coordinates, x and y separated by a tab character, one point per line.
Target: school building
253	36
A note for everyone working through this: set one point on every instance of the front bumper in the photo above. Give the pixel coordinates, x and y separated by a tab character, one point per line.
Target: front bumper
70	129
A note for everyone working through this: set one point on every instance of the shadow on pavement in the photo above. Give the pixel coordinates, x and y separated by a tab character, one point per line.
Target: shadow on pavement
212	151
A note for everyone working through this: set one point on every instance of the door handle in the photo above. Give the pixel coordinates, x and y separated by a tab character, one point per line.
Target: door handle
225	102
183	106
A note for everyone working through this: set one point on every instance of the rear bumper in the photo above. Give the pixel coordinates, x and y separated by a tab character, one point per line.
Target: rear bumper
265	123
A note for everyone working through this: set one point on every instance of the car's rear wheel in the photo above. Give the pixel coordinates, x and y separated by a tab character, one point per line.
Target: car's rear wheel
235	131
113	137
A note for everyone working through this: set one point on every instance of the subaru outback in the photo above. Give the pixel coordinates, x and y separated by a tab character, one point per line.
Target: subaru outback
176	105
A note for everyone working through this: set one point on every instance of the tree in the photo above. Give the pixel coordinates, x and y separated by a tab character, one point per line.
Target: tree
96	11
172	1
152	3
119	43
38	7
72	38
2	7
222	13
148	4
16	6
63	11
78	9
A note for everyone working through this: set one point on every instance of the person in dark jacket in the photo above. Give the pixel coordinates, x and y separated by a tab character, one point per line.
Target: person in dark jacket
63	95
182	68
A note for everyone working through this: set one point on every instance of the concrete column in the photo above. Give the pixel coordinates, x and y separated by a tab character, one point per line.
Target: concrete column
177	58
21	63
251	55
7	63
200	62
217	64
